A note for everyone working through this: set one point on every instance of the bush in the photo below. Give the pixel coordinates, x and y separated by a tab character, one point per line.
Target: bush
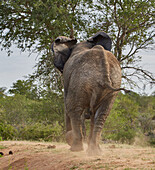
40	131
43	118
141	139
7	132
152	141
121	125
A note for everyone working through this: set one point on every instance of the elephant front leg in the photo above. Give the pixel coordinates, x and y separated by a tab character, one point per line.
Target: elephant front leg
77	144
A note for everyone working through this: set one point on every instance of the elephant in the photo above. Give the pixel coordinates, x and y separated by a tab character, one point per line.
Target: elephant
92	80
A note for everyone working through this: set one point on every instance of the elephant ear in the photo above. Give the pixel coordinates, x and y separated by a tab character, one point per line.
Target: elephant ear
63	39
59	41
101	38
62	50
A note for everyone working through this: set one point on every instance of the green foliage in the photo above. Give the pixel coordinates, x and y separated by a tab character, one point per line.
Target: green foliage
130	24
2	92
47	109
41	131
125	120
146	111
14	109
33	25
31	118
20	108
121	124
28	22
25	118
25	87
7	132
152	141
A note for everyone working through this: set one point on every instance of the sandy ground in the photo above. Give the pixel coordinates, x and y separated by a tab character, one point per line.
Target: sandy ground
57	156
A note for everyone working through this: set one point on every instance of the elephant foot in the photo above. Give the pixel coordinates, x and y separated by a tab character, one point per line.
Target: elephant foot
76	148
69	137
94	150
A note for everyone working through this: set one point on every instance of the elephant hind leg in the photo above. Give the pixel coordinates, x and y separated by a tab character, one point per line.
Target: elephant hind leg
68	123
77	137
91	127
101	115
69	135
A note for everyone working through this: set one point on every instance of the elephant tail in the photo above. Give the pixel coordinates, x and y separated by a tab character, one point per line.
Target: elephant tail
116	89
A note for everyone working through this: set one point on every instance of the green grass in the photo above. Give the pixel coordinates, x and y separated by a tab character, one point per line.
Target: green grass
2	147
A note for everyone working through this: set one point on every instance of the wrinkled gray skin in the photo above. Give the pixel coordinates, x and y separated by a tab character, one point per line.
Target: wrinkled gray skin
92	78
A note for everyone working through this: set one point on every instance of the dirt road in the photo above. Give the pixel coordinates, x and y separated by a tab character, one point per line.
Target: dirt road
57	156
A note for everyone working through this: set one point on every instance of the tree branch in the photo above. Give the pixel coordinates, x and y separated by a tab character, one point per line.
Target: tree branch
143	45
146	73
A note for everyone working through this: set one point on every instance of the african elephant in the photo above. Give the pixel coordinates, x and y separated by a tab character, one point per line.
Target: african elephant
92	79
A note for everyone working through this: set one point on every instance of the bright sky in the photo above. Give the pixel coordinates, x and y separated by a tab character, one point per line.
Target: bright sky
15	66
18	65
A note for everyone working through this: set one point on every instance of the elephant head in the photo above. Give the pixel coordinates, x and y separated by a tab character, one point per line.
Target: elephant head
62	49
63	46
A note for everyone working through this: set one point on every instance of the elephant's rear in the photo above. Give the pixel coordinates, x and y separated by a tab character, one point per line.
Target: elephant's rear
91	76
85	76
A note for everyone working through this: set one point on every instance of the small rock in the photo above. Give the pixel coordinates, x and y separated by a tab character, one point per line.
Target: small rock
10	153
112	146
1	153
97	159
51	146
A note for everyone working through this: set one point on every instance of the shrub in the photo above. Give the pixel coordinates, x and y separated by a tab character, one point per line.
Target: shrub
40	131
7	132
121	124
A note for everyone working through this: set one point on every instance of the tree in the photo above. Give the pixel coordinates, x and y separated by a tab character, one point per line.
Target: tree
130	24
28	22
25	87
40	103
2	91
33	25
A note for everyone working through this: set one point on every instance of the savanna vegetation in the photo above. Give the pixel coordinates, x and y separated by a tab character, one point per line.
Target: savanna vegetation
33	109
40	116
